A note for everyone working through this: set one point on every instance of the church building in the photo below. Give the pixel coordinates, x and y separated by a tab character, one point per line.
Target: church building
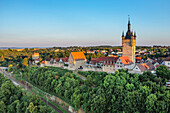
77	60
129	43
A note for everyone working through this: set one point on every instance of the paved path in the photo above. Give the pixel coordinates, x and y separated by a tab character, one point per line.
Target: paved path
15	82
82	77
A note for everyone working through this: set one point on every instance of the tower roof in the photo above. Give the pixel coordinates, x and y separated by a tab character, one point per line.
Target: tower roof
129	33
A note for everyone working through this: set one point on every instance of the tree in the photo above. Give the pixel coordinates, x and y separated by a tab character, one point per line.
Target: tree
32	108
89	81
150	103
25	62
3	107
162	71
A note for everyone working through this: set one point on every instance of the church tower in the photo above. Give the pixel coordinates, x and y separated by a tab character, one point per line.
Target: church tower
129	43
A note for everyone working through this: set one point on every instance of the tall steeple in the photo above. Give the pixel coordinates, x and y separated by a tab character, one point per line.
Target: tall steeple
129	24
129	42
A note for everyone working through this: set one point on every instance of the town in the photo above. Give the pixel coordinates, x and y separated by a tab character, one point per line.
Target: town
88	65
91	56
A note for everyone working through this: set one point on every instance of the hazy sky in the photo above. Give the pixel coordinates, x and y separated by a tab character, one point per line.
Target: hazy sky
82	22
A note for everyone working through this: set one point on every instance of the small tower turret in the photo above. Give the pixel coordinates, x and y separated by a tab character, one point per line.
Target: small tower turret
123	38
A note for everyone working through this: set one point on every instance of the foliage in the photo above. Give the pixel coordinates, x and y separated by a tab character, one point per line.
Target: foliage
163	71
15	100
103	92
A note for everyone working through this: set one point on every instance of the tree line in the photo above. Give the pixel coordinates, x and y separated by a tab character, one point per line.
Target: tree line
15	100
104	92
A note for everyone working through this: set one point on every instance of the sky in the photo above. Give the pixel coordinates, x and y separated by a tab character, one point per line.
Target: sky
48	23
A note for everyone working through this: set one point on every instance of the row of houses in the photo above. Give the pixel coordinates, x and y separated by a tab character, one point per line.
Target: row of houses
77	60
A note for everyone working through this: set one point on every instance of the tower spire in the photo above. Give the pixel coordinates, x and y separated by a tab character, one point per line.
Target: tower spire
128	22
123	34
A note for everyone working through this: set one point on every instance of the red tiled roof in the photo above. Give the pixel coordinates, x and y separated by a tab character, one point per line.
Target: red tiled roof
63	59
150	65
167	59
161	65
126	60
36	54
43	62
37	59
104	60
142	67
78	56
146	66
48	59
138	58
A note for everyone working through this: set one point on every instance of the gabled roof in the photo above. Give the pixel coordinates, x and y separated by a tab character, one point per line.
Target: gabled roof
146	66
150	65
139	58
36	54
78	56
48	59
108	60
42	62
126	60
63	59
162	65
142	67
37	59
167	59
150	59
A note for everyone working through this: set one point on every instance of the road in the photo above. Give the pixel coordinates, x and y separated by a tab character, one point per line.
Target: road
15	82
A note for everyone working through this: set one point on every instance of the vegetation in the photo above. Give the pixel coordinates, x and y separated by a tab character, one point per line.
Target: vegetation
14	100
102	92
162	71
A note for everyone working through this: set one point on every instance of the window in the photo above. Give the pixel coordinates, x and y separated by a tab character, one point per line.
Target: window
120	62
110	62
104	61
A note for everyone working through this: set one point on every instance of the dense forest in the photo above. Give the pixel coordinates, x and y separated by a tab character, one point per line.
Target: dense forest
102	92
15	100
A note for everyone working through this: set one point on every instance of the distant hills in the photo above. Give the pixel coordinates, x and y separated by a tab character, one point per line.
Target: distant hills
21	47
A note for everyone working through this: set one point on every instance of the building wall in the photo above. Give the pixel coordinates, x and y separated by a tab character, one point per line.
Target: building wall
47	63
71	61
136	68
119	64
129	66
109	68
129	48
167	63
79	63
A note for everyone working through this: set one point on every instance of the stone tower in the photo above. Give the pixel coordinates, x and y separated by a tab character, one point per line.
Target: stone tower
129	43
